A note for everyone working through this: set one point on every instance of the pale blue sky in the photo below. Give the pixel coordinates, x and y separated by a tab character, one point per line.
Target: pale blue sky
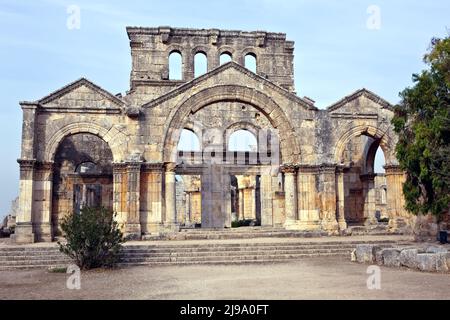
335	52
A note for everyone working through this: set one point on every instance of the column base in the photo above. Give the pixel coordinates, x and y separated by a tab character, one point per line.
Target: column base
171	227
44	232
330	226
372	221
23	233
132	231
342	225
288	224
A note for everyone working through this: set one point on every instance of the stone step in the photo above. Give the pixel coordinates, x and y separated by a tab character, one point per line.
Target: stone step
267	256
224	262
241	253
182	251
32	257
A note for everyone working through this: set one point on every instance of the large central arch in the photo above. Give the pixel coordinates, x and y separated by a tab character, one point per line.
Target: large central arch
289	144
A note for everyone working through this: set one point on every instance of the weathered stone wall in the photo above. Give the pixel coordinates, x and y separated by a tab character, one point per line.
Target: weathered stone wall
151	47
324	157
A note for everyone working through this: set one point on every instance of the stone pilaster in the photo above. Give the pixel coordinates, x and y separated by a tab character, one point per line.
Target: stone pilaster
308	208
340	198
368	181
24	232
151	197
327	174
28	130
120	193
170	196
266	200
396	211
42	195
290	189
133	226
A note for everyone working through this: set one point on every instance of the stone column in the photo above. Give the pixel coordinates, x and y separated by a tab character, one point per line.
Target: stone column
340	194
253	202
119	193
308	207
396	211
188	218
151	197
42	195
266	200
368	181
328	197
170	196
290	189
24	232
241	205
216	197
133	225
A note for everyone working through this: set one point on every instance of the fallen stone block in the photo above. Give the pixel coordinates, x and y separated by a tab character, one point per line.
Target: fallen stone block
408	258
391	257
441	262
426	261
366	252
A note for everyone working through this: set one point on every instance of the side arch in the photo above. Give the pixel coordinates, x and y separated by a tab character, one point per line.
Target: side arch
116	139
289	143
386	142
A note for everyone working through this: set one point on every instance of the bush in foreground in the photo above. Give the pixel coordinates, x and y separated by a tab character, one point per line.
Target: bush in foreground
93	238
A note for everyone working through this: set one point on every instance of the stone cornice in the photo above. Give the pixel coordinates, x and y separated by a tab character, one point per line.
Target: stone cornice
163	30
157	166
361	92
229	65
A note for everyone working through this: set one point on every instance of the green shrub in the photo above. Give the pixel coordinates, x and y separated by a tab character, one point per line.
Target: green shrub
93	238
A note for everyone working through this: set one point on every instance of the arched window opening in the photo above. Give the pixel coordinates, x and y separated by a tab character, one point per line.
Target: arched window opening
225	57
379	161
188	141
175	66
200	64
250	62
243	140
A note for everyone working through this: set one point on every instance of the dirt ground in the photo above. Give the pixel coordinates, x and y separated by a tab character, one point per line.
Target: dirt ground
314	278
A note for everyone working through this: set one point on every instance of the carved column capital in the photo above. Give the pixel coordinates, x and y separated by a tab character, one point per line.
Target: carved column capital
170	166
26	164
393	169
289	168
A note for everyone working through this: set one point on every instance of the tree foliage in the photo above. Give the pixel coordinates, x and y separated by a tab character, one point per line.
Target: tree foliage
422	122
93	238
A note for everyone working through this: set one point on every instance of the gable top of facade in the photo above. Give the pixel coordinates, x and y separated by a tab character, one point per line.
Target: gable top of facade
74	85
230	65
359	93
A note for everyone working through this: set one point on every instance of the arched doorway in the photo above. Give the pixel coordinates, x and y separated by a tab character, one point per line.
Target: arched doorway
83	175
362	157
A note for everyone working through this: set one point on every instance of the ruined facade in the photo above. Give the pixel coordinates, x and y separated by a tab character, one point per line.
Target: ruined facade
313	169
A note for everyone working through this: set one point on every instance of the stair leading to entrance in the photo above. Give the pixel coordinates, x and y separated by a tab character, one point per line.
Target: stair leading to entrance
194	252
